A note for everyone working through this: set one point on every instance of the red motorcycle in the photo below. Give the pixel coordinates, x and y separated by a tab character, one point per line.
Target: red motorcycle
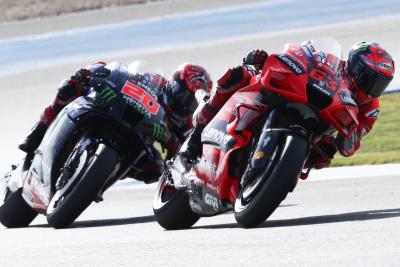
271	125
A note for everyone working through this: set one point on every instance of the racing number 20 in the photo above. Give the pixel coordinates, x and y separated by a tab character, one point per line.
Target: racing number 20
140	95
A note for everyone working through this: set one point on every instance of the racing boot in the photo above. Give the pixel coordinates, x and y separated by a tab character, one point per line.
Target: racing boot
34	138
193	145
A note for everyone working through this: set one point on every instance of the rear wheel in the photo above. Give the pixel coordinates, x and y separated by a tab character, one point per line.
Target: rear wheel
15	212
83	186
171	207
253	209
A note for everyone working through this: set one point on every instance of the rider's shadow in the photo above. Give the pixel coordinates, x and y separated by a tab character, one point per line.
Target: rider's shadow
322	219
105	222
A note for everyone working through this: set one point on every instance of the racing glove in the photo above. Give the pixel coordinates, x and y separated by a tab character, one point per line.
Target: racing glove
82	76
256	58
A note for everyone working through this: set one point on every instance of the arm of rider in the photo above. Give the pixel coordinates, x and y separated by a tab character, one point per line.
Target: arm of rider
367	116
256	58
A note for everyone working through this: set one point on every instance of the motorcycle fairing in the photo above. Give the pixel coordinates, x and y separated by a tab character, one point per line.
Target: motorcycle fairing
37	189
40	179
308	77
231	130
287	73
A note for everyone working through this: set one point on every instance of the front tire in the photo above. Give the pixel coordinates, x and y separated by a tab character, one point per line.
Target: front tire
276	186
171	207
15	212
72	203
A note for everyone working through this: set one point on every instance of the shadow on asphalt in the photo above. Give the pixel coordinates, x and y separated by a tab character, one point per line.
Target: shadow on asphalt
106	222
334	218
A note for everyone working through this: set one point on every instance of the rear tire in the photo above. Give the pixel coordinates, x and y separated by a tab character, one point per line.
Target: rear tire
15	212
75	201
171	207
276	186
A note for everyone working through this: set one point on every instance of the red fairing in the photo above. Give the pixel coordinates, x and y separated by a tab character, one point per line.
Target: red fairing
231	129
286	73
302	76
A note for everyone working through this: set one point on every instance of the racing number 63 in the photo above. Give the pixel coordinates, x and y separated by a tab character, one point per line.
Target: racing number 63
142	96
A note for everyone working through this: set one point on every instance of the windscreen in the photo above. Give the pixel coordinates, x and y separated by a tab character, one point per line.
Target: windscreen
326	51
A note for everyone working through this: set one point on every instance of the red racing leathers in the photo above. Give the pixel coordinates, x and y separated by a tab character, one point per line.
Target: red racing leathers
240	76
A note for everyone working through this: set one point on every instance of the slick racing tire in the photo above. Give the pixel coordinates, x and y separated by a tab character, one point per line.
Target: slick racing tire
276	186
171	207
15	212
64	208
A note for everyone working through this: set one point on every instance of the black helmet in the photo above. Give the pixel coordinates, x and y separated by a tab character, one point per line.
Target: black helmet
370	68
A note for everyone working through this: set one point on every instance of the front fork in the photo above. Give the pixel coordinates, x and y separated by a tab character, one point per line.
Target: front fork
270	137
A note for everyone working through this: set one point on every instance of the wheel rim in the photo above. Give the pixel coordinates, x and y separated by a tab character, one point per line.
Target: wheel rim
60	194
164	193
251	189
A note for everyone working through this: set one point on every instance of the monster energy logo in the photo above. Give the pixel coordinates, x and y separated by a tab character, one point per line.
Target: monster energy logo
105	96
159	130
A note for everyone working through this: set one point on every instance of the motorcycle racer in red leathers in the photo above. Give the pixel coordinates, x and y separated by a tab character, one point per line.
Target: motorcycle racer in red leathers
367	72
176	95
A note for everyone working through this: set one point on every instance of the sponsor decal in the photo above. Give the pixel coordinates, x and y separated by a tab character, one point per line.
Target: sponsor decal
40	192
385	66
291	63
373	114
105	96
217	136
211	201
140	95
211	186
209	167
195	205
307	50
347	99
159	130
322	89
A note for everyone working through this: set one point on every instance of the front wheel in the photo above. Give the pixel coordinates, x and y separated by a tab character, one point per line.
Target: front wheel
91	175
171	207
276	186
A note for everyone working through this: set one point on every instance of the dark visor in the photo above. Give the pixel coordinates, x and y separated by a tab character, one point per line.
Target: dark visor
370	82
184	100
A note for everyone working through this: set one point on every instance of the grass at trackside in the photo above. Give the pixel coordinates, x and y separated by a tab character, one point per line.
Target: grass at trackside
382	144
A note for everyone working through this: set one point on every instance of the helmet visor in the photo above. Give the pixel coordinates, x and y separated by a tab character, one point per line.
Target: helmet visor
185	102
370	82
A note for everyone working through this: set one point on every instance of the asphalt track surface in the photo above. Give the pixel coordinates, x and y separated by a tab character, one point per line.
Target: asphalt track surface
333	222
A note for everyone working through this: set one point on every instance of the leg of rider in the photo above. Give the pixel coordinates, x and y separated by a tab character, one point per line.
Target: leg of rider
67	91
228	84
